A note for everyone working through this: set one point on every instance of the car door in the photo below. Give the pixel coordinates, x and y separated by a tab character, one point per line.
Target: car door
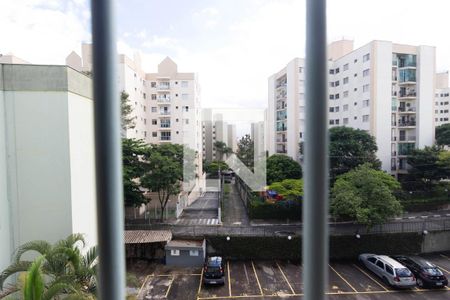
389	273
379	268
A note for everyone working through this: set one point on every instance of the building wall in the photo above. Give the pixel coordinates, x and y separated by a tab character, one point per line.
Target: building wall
184	259
46	125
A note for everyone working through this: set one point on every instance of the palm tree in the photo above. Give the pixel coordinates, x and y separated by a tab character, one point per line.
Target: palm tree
63	263
222	149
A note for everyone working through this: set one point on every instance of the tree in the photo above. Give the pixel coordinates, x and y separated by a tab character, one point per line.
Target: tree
214	166
245	151
126	121
365	195
134	168
222	149
164	173
350	148
280	167
443	135
424	166
62	262
290	189
444	163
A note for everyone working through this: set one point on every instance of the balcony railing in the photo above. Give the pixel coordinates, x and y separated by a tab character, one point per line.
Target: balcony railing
406	124
165	138
282	140
410	138
406	109
163	87
165	125
410	94
163	100
393	138
394	153
163	112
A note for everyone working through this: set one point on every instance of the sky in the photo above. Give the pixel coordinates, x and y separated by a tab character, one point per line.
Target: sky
233	45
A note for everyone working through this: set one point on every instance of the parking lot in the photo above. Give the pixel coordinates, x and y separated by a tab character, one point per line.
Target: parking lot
279	280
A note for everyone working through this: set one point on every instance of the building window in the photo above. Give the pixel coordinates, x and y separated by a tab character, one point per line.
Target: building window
145	133
144	95
331	109
336	109
186	108
154	134
153	96
165	135
153	109
331	71
355	61
366	72
345	67
331	122
300	69
345	80
345	94
336	71
355	89
331	97
365	88
345	107
145	121
365	118
145	108
366	103
366	57
184	96
336	96
336	122
355	118
193	252
175	252
336	83
154	122
345	121
184	84
355	103
332	84
153	84
186	121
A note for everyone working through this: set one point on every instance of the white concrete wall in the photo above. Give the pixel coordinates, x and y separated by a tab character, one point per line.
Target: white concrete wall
292	110
39	165
425	101
5	228
82	167
381	68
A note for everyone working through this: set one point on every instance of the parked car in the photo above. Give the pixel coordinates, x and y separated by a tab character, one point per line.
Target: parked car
427	274
213	271
389	270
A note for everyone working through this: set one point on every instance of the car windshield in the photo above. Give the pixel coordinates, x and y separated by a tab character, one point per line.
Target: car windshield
404	272
433	271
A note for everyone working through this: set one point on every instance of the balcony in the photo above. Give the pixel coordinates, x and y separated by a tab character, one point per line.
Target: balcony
394	153
407	95
165	138
393	123
164	112
163	99
407	61
406	123
393	138
404	109
281	140
410	138
163	87
165	126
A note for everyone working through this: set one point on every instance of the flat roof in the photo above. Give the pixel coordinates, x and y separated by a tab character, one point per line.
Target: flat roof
147	236
185	243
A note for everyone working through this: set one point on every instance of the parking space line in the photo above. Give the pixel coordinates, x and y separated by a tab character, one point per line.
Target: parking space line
143	284
200	285
285	278
340	276
362	271
229	281
440	267
170	286
445	256
257	279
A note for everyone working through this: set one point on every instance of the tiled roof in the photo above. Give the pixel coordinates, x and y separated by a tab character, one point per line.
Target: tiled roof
147	236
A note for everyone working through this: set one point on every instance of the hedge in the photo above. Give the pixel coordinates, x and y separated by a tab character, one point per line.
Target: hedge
280	210
341	247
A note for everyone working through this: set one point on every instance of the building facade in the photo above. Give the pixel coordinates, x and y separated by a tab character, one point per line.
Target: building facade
442	100
384	88
47	163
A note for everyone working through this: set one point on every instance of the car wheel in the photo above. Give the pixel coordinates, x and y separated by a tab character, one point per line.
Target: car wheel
419	282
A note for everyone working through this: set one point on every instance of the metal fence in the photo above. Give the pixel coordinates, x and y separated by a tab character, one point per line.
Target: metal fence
429	225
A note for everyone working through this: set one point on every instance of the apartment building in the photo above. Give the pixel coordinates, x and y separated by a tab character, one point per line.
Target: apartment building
384	88
214	129
47	157
442	100
285	113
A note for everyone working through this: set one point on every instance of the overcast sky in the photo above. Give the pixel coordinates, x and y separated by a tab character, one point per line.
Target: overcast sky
234	45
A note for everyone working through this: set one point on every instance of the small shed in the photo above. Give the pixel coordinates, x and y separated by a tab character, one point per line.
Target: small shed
185	253
146	244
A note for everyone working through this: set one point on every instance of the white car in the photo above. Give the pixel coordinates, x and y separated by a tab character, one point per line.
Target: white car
389	270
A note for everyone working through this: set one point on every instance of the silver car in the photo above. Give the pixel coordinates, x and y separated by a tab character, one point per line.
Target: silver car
389	270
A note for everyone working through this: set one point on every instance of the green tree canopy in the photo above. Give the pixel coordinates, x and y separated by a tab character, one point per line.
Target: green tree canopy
425	169
134	168
443	135
164	173
126	120
214	166
222	149
290	189
245	151
350	148
280	167
365	195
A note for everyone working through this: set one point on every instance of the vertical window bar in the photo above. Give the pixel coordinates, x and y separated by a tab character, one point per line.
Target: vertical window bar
108	153
315	212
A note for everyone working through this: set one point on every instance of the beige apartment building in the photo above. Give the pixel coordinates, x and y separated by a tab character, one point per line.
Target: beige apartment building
385	88
442	100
